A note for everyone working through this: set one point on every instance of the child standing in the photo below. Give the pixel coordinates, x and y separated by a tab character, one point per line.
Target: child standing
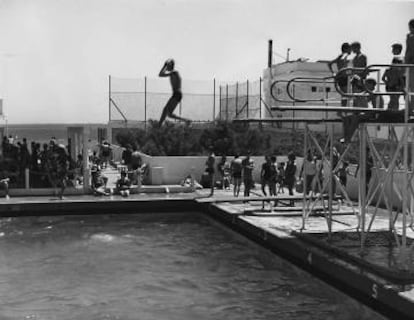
394	78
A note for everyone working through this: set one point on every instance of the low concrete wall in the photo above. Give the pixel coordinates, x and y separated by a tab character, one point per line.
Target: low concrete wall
174	169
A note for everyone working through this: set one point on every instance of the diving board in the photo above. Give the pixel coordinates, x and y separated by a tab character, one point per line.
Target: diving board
329	108
230	199
287	119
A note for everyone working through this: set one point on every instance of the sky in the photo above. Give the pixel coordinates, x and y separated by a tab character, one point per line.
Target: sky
56	55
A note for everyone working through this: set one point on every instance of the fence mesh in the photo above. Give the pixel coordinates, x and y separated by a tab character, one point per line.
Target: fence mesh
144	99
240	100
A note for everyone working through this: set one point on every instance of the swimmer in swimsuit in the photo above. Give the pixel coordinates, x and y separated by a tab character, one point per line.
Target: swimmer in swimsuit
175	79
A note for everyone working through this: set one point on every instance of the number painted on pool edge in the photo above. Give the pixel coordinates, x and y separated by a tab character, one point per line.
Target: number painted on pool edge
375	291
310	258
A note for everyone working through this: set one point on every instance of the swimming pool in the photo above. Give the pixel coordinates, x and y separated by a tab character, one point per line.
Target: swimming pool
169	266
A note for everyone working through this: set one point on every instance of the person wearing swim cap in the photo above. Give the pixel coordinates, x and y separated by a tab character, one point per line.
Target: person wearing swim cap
175	80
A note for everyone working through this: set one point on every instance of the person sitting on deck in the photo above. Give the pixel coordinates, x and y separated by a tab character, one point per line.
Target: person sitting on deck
123	185
4	183
343	172
99	182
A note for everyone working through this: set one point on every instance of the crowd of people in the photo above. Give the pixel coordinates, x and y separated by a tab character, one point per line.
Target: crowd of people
274	176
49	165
133	170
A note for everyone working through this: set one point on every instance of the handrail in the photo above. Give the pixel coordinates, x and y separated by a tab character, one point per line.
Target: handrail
313	80
348	72
275	98
342	72
396	65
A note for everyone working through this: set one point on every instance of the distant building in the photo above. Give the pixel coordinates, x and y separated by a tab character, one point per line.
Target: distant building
318	92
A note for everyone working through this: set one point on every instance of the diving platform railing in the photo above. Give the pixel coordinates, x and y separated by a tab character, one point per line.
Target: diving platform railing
292	102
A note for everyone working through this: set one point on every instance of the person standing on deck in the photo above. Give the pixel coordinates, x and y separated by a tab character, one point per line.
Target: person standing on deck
265	175
248	166
409	59
342	62
210	169
222	169
308	170
393	78
359	61
236	174
175	80
290	174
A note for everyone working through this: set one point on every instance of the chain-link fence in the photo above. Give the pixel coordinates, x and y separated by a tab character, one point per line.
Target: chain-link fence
241	100
144	99
204	101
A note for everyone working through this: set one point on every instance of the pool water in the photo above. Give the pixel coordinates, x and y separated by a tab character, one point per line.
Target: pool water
172	266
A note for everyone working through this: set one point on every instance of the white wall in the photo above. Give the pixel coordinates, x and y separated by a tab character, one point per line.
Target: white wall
176	168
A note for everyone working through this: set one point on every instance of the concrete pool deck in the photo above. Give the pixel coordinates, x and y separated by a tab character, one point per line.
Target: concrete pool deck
374	278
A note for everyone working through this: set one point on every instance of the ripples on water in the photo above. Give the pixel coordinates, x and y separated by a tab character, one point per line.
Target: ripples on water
152	267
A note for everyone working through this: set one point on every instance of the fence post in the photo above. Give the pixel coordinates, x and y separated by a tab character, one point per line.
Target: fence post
145	103
219	102
237	99
227	102
247	107
109	98
260	99
214	99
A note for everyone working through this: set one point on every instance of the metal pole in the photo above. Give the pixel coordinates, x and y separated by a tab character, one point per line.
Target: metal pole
110	98
270	54
260	98
145	103
220	103
237	98
305	151
407	95
247	111
405	195
287	55
331	181
214	99
362	180
293	112
227	102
